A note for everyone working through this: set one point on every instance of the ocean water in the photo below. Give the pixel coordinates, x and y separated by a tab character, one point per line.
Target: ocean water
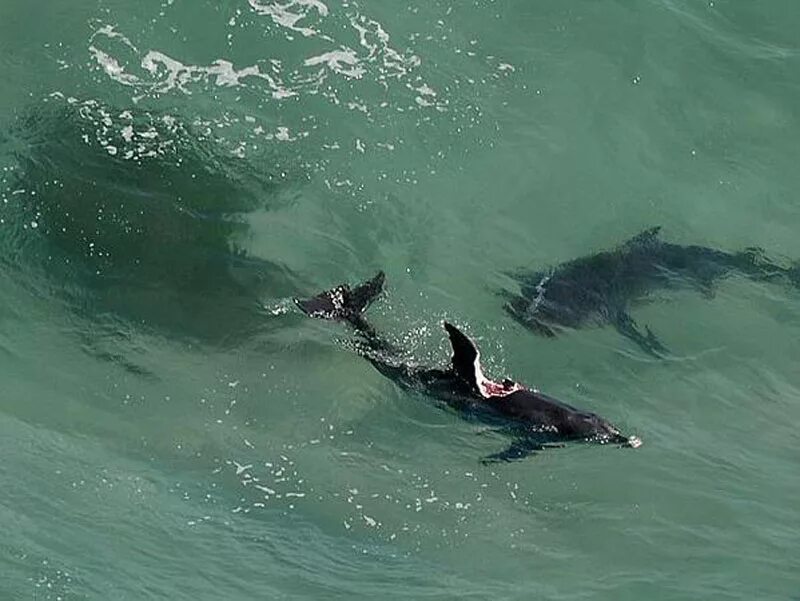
172	173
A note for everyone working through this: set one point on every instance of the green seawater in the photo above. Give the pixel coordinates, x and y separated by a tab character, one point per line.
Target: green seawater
172	173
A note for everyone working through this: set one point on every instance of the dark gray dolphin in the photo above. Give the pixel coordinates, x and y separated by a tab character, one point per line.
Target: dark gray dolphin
533	419
600	289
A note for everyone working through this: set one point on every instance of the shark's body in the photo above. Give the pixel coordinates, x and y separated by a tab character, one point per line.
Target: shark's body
532	418
600	289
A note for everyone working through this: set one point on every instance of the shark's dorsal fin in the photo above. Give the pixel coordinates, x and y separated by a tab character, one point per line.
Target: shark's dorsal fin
648	236
466	357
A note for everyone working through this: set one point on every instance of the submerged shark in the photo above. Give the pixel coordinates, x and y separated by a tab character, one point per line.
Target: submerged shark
534	420
600	289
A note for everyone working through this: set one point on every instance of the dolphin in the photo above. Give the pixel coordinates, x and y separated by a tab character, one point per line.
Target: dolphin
534	420
600	289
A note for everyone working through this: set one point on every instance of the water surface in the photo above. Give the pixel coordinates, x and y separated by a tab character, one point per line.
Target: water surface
172	173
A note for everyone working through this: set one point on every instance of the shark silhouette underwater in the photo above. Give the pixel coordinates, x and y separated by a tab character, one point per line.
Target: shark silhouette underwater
534	420
600	289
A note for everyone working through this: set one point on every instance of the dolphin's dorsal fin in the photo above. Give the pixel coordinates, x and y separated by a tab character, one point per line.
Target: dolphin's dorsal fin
467	366
466	357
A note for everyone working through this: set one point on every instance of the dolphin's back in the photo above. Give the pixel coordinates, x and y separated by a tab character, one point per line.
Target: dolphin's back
548	415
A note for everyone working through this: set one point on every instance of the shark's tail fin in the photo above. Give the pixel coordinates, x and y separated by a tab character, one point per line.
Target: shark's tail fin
794	274
343	303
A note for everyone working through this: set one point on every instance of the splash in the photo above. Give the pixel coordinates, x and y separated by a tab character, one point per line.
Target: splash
134	136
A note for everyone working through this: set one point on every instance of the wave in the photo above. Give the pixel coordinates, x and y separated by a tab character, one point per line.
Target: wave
131	214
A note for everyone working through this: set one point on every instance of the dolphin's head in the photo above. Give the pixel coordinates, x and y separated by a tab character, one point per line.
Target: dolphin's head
597	429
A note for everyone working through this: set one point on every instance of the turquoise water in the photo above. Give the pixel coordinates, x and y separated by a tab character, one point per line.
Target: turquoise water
172	173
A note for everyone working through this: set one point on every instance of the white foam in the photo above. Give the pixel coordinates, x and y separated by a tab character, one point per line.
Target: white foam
282	14
112	67
345	62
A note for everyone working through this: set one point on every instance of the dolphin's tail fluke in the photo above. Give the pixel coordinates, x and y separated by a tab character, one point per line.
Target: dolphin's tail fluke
343	303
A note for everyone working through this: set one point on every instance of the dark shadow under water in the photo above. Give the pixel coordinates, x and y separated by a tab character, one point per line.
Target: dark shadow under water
601	288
